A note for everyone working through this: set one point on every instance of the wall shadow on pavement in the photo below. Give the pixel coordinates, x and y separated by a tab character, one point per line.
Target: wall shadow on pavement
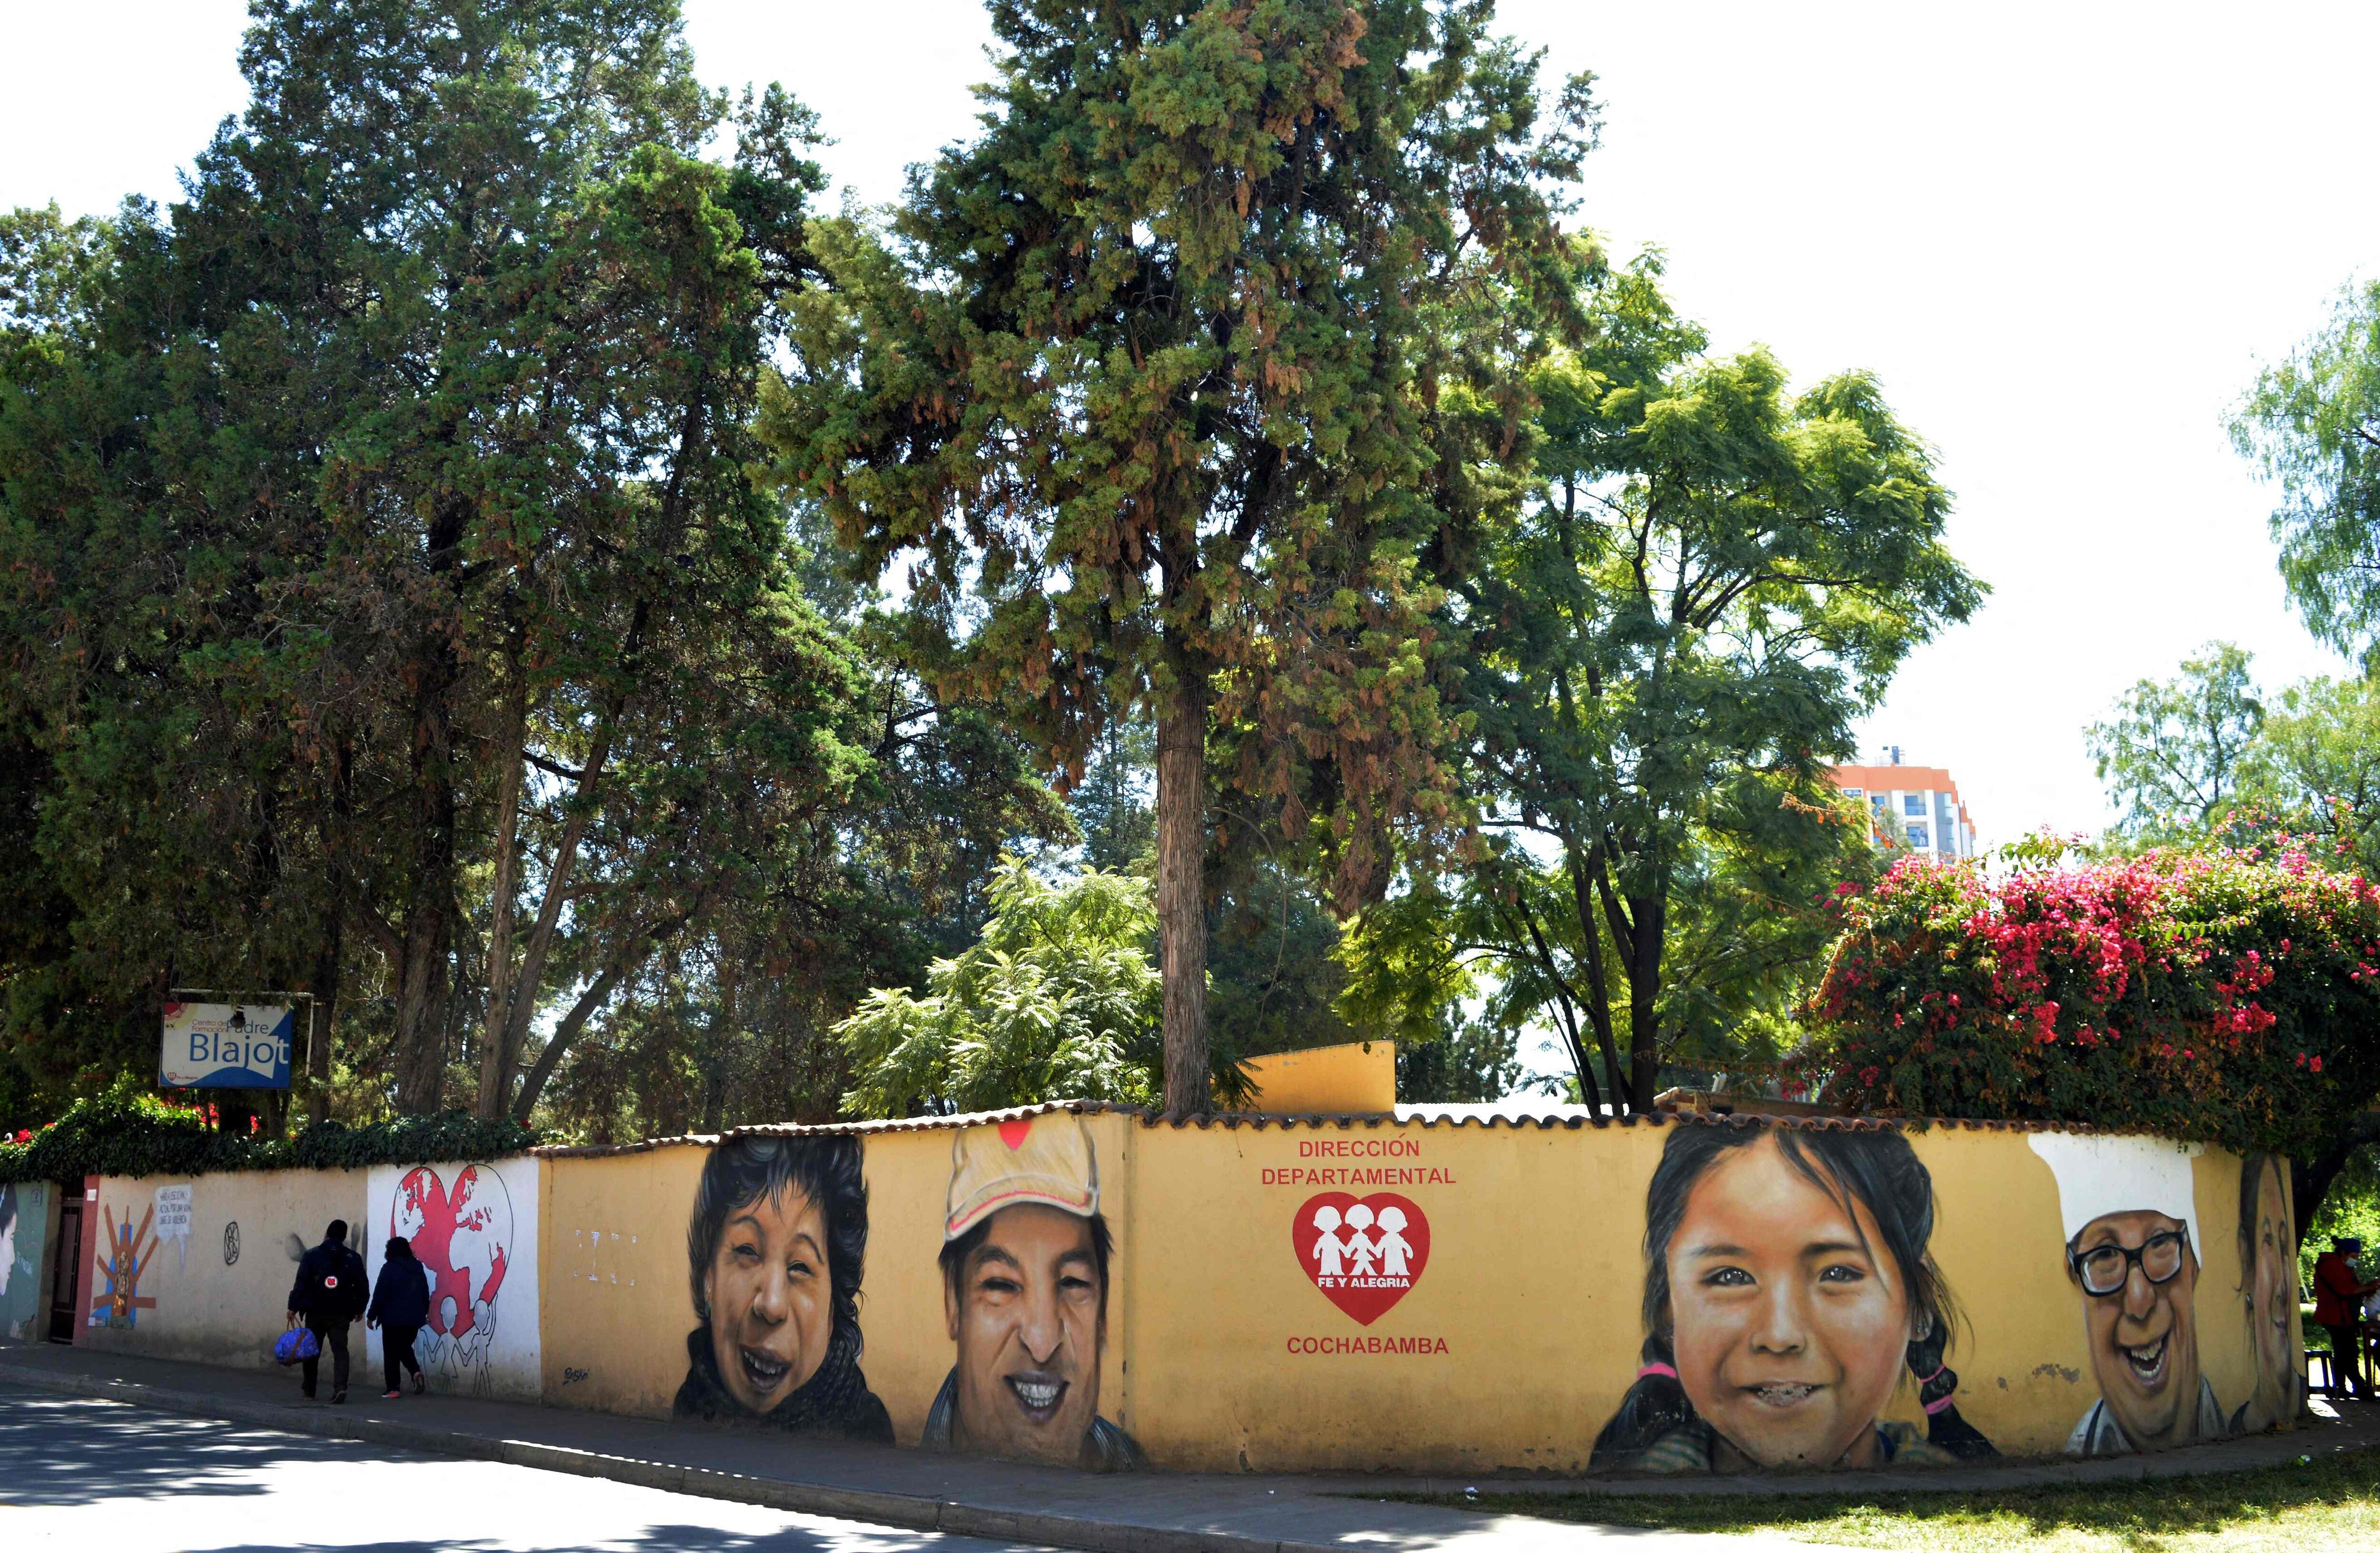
687	1539
71	1450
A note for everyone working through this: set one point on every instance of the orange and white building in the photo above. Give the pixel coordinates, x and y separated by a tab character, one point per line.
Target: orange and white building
1912	807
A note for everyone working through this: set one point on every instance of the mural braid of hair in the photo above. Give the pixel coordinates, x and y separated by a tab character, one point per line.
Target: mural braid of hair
1654	1405
1938	1385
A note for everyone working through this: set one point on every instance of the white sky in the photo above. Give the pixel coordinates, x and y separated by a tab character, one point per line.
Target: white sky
2062	235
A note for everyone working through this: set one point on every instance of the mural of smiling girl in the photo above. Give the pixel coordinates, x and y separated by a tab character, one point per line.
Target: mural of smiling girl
777	1247
1788	1292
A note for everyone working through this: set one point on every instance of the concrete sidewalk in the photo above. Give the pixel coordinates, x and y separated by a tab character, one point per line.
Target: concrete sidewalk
1154	1512
1145	1512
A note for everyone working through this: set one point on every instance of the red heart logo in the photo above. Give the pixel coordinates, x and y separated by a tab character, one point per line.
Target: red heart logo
1364	1253
1012	1133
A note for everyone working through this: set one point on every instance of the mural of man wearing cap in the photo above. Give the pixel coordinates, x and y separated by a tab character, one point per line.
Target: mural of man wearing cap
1024	1292
2129	1209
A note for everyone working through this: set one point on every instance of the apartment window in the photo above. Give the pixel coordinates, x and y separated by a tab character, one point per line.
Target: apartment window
1913	805
1917	838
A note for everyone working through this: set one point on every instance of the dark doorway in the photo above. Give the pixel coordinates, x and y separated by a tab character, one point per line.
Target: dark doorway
64	1271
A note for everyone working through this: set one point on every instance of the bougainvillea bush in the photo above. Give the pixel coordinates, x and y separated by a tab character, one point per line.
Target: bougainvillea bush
2228	997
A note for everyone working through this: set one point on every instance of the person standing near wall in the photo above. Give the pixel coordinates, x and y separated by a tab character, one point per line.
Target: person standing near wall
328	1297
2338	1291
400	1303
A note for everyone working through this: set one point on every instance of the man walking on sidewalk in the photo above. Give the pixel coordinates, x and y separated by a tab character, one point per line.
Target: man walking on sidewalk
328	1295
400	1303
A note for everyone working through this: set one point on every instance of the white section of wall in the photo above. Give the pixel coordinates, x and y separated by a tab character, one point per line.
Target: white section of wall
219	1294
475	1228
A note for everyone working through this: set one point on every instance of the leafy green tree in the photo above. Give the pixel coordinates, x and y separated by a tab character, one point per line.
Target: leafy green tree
392	594
1156	378
1661	649
1057	999
2316	765
2312	424
2174	754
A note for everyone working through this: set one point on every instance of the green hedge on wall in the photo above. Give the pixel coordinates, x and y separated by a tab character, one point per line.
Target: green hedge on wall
139	1135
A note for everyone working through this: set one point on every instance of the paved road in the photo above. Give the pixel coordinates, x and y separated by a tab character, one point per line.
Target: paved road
93	1475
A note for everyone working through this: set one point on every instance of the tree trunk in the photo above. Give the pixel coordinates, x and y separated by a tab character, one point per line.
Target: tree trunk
714	1060
496	1061
1180	903
1597	997
325	1008
2310	1182
426	935
428	930
421	1011
557	891
1651	913
550	1057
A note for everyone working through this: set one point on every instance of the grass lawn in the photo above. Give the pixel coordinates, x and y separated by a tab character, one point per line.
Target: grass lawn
2333	1503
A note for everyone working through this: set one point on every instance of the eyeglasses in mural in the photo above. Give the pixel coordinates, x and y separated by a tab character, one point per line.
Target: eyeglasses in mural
2130	1207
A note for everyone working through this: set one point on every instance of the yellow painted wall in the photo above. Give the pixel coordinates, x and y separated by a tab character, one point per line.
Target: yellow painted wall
618	1290
1359	1076
211	1308
1532	1283
1509	1353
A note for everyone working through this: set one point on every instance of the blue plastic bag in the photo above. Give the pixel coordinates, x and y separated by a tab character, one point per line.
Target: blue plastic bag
297	1344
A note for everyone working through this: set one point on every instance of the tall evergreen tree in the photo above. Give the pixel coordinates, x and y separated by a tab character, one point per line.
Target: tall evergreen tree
380	534
1152	377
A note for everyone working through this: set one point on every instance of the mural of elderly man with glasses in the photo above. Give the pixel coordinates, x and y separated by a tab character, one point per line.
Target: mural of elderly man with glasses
2129	1209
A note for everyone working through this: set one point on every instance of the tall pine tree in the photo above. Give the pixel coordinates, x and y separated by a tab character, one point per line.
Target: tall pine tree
1170	380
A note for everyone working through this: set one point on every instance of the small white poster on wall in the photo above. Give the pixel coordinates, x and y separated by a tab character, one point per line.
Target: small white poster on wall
174	1223
473	1227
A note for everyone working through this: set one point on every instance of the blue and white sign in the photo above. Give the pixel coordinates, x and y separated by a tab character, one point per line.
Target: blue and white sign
220	1045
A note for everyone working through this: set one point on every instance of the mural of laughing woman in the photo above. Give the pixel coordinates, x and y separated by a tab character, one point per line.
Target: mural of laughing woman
777	1242
1788	1295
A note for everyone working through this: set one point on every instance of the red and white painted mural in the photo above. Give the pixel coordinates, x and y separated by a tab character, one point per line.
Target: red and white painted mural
473	1227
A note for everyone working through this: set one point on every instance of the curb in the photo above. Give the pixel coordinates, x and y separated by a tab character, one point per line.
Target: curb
909	1511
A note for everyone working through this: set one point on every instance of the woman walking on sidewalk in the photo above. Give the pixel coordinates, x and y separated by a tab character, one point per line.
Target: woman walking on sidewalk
400	1303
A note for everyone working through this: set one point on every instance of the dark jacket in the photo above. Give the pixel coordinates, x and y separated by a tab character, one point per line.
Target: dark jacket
330	1287
835	1401
401	1298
